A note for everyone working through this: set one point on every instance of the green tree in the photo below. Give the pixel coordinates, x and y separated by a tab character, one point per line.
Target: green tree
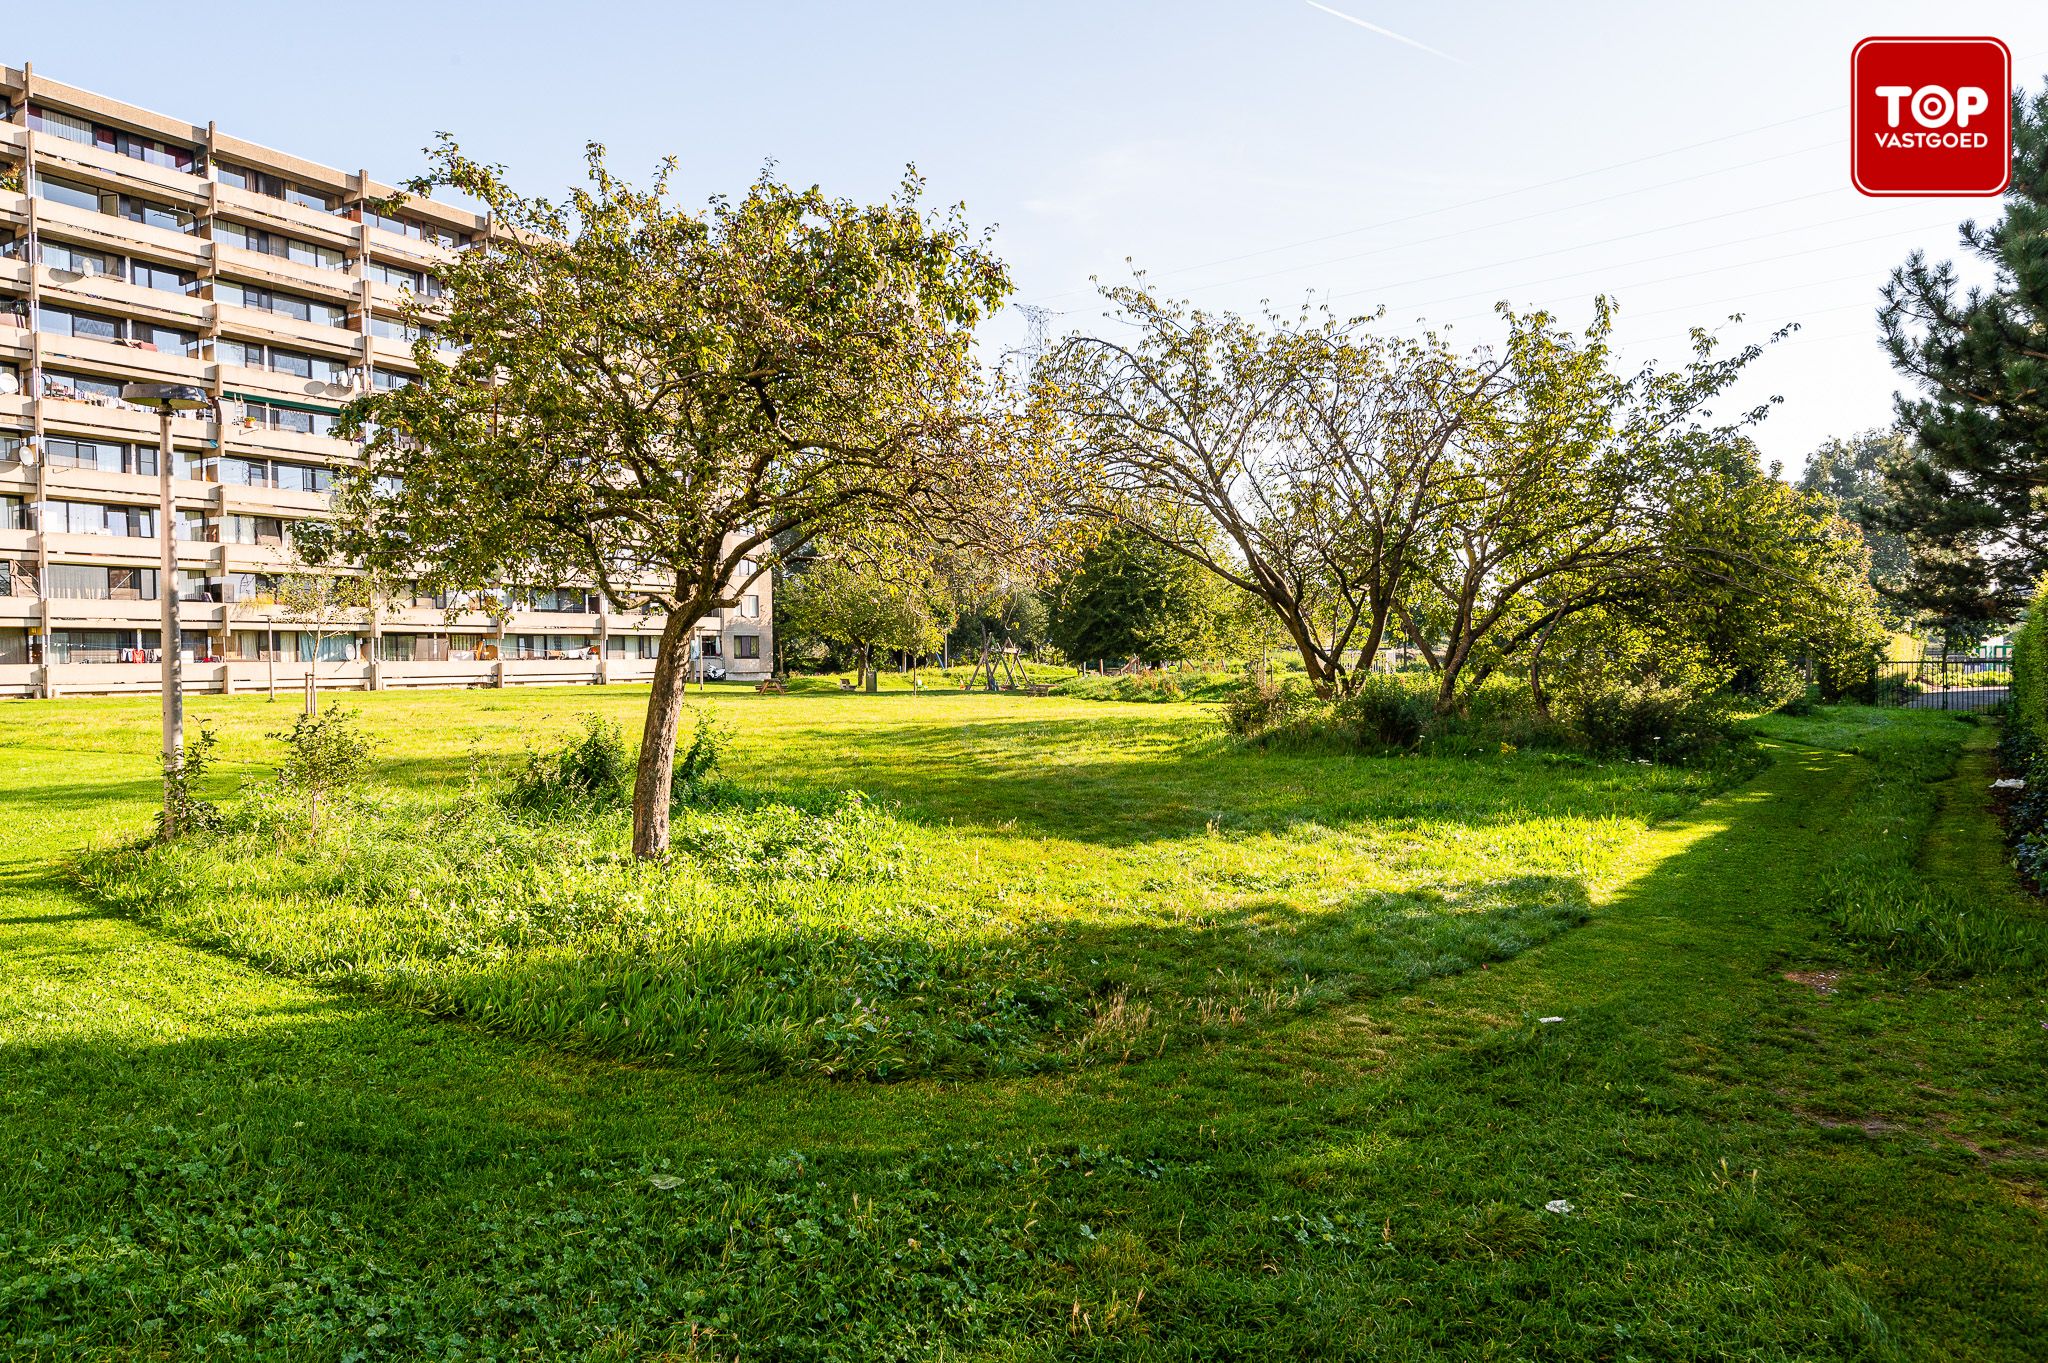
1853	474
667	403
1970	503
1571	491
864	607
1132	597
1302	460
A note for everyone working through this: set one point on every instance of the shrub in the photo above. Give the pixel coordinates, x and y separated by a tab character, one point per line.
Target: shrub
1257	705
326	756
188	813
1649	722
594	771
1383	712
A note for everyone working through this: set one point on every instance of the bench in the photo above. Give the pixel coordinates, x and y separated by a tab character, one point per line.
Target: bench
771	687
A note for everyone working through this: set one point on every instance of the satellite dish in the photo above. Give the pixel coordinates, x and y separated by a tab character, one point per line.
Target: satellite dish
9	385
66	276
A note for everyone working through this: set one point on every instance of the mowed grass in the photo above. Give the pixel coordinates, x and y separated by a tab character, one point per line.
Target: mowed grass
209	1160
899	884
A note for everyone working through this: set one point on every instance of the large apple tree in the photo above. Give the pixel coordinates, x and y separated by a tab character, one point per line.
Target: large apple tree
665	403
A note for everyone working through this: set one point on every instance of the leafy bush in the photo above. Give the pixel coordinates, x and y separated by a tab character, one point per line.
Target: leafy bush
326	757
1383	712
1649	722
1259	704
594	771
189	813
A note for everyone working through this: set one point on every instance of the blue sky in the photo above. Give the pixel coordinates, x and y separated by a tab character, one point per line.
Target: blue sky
1690	160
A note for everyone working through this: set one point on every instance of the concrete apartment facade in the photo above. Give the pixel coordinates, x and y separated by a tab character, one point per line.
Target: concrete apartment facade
135	247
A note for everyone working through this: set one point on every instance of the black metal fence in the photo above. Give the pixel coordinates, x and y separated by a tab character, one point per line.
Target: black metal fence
1943	684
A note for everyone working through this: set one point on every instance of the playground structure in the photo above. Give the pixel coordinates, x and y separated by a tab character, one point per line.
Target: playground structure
1013	678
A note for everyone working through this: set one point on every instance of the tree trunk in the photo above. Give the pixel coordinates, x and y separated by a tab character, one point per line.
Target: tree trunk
654	781
1536	692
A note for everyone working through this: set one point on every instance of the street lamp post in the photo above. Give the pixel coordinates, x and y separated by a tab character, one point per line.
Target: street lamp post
168	400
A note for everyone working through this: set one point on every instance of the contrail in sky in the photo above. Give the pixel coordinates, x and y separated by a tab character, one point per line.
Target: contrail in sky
1385	32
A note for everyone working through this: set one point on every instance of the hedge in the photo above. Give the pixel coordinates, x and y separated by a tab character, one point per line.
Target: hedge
2030	669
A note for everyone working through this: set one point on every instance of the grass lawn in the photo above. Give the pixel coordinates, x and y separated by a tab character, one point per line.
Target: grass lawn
1191	1053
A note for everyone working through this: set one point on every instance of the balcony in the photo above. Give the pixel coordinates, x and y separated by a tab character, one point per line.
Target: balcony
104	232
14	269
111	551
185	311
260	439
309	224
93	485
106	419
13	139
68	612
75	160
256	324
13	206
258	383
14	339
409	251
126	359
336	286
247	499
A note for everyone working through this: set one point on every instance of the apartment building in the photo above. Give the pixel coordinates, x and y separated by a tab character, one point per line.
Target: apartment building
139	248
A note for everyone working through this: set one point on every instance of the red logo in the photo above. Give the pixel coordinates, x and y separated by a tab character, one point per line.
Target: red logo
1930	117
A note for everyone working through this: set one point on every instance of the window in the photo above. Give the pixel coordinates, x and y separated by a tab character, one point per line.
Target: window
385	380
101	455
302	477
260	530
271	244
151	336
274	187
282	304
77	582
194	527
250	355
169	217
193	585
252	587
58	256
709	646
162	277
418	231
93	518
70	195
75	129
67	126
254	181
394	329
82	388
746	645
103	645
398	277
274	417
94	327
15	515
750	607
565	600
85	325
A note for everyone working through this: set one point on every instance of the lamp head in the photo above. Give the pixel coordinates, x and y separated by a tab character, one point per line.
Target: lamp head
177	397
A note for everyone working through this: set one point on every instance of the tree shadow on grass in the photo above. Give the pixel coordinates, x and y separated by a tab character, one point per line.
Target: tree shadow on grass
983	774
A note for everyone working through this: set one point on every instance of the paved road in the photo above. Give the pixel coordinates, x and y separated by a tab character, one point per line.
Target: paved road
1961	698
